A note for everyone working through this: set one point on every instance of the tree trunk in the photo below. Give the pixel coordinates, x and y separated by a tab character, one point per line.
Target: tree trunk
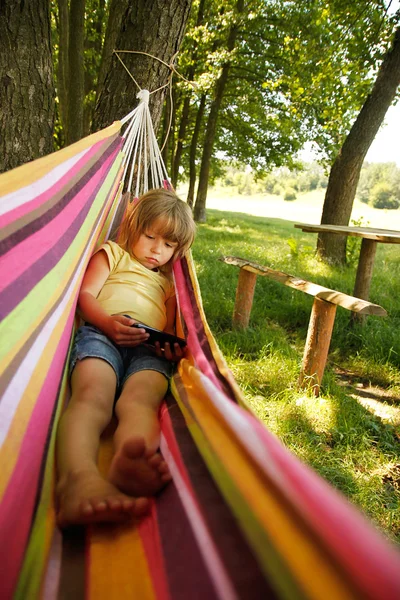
179	145
26	86
164	137
76	77
345	172
200	206
193	151
93	44
186	106
171	131
62	69
149	26
116	14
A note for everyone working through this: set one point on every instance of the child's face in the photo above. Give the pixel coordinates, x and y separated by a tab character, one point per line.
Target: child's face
152	250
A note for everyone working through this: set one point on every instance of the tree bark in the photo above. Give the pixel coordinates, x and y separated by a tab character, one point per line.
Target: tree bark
186	106
200	206
116	14
193	151
62	68
26	85
93	43
345	172
76	76
149	26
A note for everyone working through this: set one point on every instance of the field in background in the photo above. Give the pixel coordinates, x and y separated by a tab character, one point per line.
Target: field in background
351	434
307	208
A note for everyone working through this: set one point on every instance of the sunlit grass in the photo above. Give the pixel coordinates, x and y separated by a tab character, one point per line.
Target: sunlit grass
352	444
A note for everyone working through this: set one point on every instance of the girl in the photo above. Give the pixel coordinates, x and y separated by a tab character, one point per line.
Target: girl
124	283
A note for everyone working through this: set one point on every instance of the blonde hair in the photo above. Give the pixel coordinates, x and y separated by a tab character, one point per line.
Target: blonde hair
177	221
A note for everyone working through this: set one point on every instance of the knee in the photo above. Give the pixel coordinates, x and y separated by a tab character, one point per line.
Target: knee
93	399
142	393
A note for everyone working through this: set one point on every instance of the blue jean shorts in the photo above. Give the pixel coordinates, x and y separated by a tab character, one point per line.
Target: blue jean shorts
90	342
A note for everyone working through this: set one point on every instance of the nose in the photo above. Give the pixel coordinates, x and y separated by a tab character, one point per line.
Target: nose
156	246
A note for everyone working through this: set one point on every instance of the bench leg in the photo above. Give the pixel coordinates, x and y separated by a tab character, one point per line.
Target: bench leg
244	299
317	344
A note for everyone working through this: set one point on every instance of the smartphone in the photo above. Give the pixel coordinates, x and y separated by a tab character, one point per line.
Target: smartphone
160	336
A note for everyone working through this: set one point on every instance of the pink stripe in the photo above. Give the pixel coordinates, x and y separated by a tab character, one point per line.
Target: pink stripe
21	257
150	536
168	431
192	339
19	498
350	538
27	207
212	560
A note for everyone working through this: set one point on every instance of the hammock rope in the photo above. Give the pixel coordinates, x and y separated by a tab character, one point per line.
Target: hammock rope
243	518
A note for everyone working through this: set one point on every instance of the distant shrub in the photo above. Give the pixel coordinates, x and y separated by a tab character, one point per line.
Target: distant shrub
382	196
290	195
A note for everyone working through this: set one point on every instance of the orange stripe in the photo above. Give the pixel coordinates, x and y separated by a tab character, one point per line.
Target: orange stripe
12	444
313	573
29	173
118	566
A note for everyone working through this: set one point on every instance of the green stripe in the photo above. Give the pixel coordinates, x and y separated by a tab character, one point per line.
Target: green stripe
270	561
33	569
22	317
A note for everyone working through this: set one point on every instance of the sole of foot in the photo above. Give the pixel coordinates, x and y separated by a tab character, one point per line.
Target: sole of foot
137	470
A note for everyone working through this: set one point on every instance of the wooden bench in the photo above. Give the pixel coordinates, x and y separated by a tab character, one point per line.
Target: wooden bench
322	315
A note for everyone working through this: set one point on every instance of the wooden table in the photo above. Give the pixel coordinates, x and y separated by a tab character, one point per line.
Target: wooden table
370	238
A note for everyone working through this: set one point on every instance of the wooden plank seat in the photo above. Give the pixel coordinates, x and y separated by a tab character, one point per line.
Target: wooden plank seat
322	314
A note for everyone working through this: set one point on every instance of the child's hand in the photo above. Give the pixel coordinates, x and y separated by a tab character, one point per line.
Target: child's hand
118	329
173	354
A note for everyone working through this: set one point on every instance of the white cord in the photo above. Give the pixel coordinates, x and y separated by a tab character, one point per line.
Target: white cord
141	149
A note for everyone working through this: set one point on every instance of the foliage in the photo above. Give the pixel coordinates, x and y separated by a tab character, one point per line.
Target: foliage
383	196
290	194
380	185
305	178
300	72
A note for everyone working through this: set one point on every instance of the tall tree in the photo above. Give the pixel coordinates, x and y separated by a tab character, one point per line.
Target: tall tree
27	87
62	64
200	206
186	102
345	171
76	71
147	26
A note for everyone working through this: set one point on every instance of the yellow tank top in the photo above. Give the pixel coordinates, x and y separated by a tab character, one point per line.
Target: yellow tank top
132	289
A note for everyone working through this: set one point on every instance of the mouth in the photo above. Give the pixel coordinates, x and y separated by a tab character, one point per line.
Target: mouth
152	260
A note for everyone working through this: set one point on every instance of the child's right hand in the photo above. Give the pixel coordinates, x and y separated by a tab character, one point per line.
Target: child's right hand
119	329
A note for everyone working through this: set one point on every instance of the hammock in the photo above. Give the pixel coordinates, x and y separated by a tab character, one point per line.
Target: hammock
243	518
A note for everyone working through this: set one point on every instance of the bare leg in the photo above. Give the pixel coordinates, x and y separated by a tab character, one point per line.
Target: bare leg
137	467
84	496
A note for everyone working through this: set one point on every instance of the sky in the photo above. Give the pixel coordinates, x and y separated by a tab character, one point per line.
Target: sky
386	145
384	148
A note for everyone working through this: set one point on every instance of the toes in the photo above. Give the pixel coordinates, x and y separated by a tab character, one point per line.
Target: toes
142	507
155	461
163	467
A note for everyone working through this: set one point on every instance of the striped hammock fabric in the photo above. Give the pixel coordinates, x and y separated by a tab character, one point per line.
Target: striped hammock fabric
243	518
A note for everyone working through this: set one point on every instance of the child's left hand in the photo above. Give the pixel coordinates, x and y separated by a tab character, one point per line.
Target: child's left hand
173	354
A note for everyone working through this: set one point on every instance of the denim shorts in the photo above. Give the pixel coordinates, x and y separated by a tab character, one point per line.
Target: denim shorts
90	342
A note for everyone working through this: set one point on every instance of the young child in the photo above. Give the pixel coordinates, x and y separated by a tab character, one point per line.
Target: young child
124	283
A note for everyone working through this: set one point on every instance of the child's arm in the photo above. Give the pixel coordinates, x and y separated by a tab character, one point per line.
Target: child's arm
116	327
170	307
176	353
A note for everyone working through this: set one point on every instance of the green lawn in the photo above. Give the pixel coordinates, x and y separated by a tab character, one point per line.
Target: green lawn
353	442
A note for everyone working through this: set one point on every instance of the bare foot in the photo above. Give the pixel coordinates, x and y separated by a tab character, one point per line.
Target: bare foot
138	471
88	498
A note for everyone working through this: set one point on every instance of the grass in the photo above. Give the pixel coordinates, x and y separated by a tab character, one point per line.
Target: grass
341	434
